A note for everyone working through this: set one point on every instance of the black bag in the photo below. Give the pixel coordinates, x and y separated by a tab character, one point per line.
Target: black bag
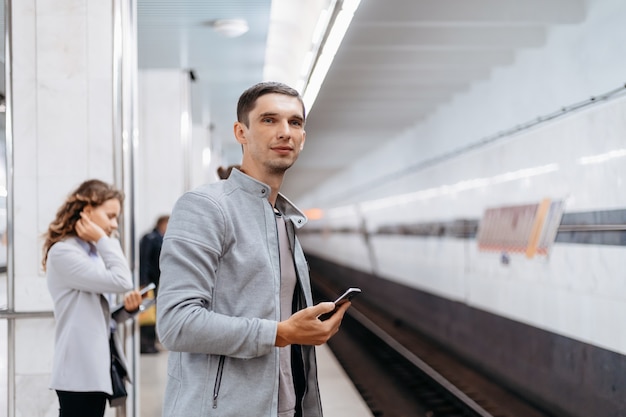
118	378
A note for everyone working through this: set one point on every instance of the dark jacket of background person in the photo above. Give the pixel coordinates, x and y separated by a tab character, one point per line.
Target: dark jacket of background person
149	272
149	253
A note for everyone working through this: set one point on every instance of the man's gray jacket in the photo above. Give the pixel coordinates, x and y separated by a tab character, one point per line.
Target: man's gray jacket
218	302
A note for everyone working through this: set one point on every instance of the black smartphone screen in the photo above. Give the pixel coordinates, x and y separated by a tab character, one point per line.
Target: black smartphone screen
346	296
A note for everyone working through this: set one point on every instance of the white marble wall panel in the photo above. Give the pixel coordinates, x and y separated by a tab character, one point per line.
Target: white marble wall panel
33	398
349	250
99	42
99	84
572	293
24	64
61	7
30	355
62	143
62	121
547	162
62	115
61	46
33	353
430	264
161	164
543	163
31	292
24	38
99	128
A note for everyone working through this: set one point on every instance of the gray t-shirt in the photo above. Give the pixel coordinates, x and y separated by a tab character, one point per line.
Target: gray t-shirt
286	390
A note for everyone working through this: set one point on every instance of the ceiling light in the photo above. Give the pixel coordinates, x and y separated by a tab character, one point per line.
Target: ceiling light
336	32
231	28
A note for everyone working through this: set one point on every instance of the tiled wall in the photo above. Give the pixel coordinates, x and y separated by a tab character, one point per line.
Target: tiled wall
163	97
62	120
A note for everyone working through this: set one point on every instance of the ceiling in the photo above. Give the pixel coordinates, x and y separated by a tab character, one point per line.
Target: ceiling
398	62
176	34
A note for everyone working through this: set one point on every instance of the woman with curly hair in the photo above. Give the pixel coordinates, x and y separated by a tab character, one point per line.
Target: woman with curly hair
85	266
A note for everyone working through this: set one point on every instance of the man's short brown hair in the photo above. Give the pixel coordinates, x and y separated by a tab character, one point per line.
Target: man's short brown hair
248	98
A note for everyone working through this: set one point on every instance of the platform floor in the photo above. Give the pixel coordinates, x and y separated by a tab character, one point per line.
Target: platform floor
339	396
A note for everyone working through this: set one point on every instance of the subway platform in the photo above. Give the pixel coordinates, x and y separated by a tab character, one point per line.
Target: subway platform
339	396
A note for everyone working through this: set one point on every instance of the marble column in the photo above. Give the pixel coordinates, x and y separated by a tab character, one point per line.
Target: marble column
63	110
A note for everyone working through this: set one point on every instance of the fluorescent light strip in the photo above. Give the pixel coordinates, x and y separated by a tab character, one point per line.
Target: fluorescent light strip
333	41
598	159
321	27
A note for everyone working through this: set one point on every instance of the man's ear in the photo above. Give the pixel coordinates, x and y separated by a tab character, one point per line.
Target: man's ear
239	129
303	140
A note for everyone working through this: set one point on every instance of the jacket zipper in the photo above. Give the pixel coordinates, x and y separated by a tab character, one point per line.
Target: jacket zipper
218	380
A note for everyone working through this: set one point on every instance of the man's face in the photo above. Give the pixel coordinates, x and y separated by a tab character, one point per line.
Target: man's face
275	135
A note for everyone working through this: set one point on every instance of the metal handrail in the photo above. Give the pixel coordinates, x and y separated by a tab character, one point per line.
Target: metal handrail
592	227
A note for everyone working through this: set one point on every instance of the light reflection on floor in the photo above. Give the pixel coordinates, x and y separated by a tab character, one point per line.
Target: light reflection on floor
153	371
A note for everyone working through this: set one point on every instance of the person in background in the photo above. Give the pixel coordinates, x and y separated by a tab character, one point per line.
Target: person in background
235	308
85	267
224	173
149	252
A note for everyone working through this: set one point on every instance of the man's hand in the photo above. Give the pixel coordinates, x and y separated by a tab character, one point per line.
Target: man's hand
304	327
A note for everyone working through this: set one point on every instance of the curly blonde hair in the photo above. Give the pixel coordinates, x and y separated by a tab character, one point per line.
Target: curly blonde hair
89	193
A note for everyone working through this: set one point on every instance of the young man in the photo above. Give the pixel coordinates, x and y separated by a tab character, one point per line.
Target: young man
235	305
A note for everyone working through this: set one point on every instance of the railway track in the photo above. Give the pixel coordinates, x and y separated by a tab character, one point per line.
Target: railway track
400	373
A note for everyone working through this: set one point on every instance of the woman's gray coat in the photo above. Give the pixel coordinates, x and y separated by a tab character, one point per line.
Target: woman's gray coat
78	275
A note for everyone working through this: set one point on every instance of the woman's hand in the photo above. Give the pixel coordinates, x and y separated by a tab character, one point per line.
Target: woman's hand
132	301
88	230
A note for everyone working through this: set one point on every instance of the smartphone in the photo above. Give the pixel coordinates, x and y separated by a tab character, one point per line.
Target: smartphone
346	296
147	302
147	288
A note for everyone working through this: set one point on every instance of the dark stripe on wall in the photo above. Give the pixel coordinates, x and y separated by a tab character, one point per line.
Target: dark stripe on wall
595	228
564	376
587	228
